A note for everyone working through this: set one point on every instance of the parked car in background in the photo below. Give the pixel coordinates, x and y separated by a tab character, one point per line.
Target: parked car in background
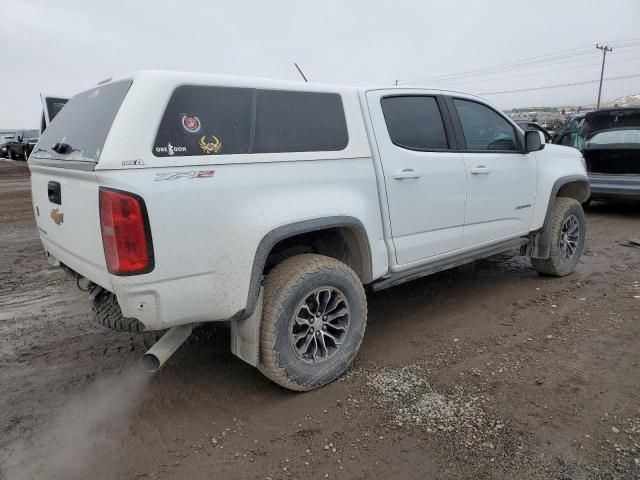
609	140
21	144
4	139
570	125
536	127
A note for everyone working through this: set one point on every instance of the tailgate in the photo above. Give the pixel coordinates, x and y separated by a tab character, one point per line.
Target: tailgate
63	181
66	205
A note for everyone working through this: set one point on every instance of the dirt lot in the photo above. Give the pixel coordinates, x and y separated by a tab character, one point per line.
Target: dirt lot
486	371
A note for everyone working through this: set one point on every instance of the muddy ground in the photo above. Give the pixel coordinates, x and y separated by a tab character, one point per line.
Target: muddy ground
485	371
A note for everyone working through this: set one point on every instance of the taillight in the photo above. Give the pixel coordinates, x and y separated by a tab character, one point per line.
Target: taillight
126	236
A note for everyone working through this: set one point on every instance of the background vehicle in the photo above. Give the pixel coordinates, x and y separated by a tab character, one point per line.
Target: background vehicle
534	126
21	144
609	140
4	139
273	203
571	124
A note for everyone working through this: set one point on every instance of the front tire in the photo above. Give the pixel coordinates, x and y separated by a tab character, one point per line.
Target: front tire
313	321
568	233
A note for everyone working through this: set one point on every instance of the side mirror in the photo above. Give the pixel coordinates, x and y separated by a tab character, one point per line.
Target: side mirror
532	141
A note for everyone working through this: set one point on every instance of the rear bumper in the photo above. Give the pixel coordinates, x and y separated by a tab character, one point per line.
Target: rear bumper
165	303
615	186
170	303
157	305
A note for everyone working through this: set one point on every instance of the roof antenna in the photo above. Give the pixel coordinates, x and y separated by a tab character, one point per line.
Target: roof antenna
300	71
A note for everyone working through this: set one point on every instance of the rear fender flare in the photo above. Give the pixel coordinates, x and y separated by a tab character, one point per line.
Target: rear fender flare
282	233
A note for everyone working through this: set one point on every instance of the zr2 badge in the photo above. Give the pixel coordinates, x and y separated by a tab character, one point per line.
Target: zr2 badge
192	174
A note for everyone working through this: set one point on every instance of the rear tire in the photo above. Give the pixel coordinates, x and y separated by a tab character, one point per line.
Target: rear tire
568	233
313	321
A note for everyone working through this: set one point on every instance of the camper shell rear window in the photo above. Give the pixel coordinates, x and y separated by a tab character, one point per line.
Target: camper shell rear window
83	124
207	120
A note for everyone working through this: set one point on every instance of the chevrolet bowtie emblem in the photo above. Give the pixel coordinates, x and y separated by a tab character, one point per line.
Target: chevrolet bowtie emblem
57	216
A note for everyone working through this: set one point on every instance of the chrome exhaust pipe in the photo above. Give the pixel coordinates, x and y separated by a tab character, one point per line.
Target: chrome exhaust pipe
157	355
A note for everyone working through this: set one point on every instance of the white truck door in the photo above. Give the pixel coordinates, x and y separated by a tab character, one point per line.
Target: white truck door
424	176
51	106
502	181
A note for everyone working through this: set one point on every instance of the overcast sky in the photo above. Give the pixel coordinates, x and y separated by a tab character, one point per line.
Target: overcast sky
66	46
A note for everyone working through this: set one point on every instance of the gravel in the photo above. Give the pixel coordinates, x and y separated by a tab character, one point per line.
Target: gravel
414	403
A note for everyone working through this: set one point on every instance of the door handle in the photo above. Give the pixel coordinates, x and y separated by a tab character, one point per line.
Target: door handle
405	174
480	170
54	193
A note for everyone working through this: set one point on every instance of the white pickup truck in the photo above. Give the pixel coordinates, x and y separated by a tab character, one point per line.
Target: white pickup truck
182	198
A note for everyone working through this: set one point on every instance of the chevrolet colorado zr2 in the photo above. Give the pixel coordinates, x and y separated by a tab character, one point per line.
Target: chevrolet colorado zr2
180	198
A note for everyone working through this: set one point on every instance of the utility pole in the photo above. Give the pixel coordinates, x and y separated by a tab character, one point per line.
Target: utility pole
604	49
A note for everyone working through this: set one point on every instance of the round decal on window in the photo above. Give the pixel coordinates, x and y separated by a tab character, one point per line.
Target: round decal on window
191	124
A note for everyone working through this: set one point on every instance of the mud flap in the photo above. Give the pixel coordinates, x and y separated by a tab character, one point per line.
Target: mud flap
245	335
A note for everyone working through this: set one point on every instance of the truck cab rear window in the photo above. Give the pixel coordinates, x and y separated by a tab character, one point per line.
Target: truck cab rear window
204	120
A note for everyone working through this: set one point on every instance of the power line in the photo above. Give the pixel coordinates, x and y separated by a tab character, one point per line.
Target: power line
573	84
530	74
502	65
500	68
515	68
523	64
558	60
454	80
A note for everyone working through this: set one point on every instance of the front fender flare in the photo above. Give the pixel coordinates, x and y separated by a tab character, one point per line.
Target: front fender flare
540	240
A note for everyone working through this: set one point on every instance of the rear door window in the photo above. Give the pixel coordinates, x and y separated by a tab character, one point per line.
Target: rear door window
415	123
